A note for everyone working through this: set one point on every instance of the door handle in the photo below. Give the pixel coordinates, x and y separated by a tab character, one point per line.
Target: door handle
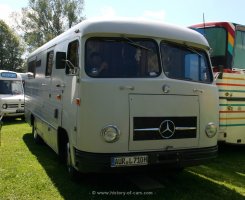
126	87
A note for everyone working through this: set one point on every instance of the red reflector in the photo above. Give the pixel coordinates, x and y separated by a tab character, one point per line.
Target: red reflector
58	97
78	101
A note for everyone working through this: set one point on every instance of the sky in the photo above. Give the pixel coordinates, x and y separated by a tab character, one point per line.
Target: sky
179	12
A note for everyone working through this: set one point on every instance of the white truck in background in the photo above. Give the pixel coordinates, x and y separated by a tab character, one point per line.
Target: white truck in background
11	94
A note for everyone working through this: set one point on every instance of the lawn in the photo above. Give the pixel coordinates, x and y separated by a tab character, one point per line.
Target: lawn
30	171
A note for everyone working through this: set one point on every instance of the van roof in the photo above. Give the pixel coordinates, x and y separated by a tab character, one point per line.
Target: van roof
133	28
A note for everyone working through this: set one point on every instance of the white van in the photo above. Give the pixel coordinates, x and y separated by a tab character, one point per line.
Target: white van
108	95
11	94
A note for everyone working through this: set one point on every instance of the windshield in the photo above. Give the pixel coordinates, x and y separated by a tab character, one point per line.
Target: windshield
11	87
122	58
216	37
185	63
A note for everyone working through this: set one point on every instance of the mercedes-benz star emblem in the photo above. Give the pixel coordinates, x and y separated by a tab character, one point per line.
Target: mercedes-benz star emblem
167	129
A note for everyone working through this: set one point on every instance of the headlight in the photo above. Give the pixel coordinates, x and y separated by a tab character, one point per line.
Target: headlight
4	106
211	130
110	133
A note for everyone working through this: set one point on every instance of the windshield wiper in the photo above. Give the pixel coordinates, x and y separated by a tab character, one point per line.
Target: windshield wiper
131	42
193	50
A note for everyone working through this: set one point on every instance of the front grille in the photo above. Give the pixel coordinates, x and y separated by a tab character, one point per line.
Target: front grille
22	105
164	128
13	105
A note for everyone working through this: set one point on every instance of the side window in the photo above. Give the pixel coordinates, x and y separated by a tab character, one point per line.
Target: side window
239	51
72	57
49	65
32	67
38	63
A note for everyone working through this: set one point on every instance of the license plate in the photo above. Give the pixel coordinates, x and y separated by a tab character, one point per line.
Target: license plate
20	111
129	161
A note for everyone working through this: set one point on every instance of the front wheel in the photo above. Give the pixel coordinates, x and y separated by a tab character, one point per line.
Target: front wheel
73	173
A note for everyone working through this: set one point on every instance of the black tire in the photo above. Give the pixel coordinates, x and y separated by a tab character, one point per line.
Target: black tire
73	173
179	170
36	137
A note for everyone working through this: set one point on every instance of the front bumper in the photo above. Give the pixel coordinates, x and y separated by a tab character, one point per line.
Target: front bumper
13	113
101	162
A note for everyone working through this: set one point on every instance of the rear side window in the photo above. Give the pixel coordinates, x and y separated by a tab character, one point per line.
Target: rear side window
49	65
122	58
239	51
185	63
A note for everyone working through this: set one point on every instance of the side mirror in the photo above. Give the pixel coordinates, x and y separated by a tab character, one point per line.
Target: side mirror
60	60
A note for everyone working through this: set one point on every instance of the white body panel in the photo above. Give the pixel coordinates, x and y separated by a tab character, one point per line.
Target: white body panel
82	106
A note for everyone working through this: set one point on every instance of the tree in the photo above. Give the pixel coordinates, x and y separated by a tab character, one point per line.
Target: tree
11	49
43	20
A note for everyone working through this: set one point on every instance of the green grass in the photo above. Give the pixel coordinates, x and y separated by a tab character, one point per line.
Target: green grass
30	171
